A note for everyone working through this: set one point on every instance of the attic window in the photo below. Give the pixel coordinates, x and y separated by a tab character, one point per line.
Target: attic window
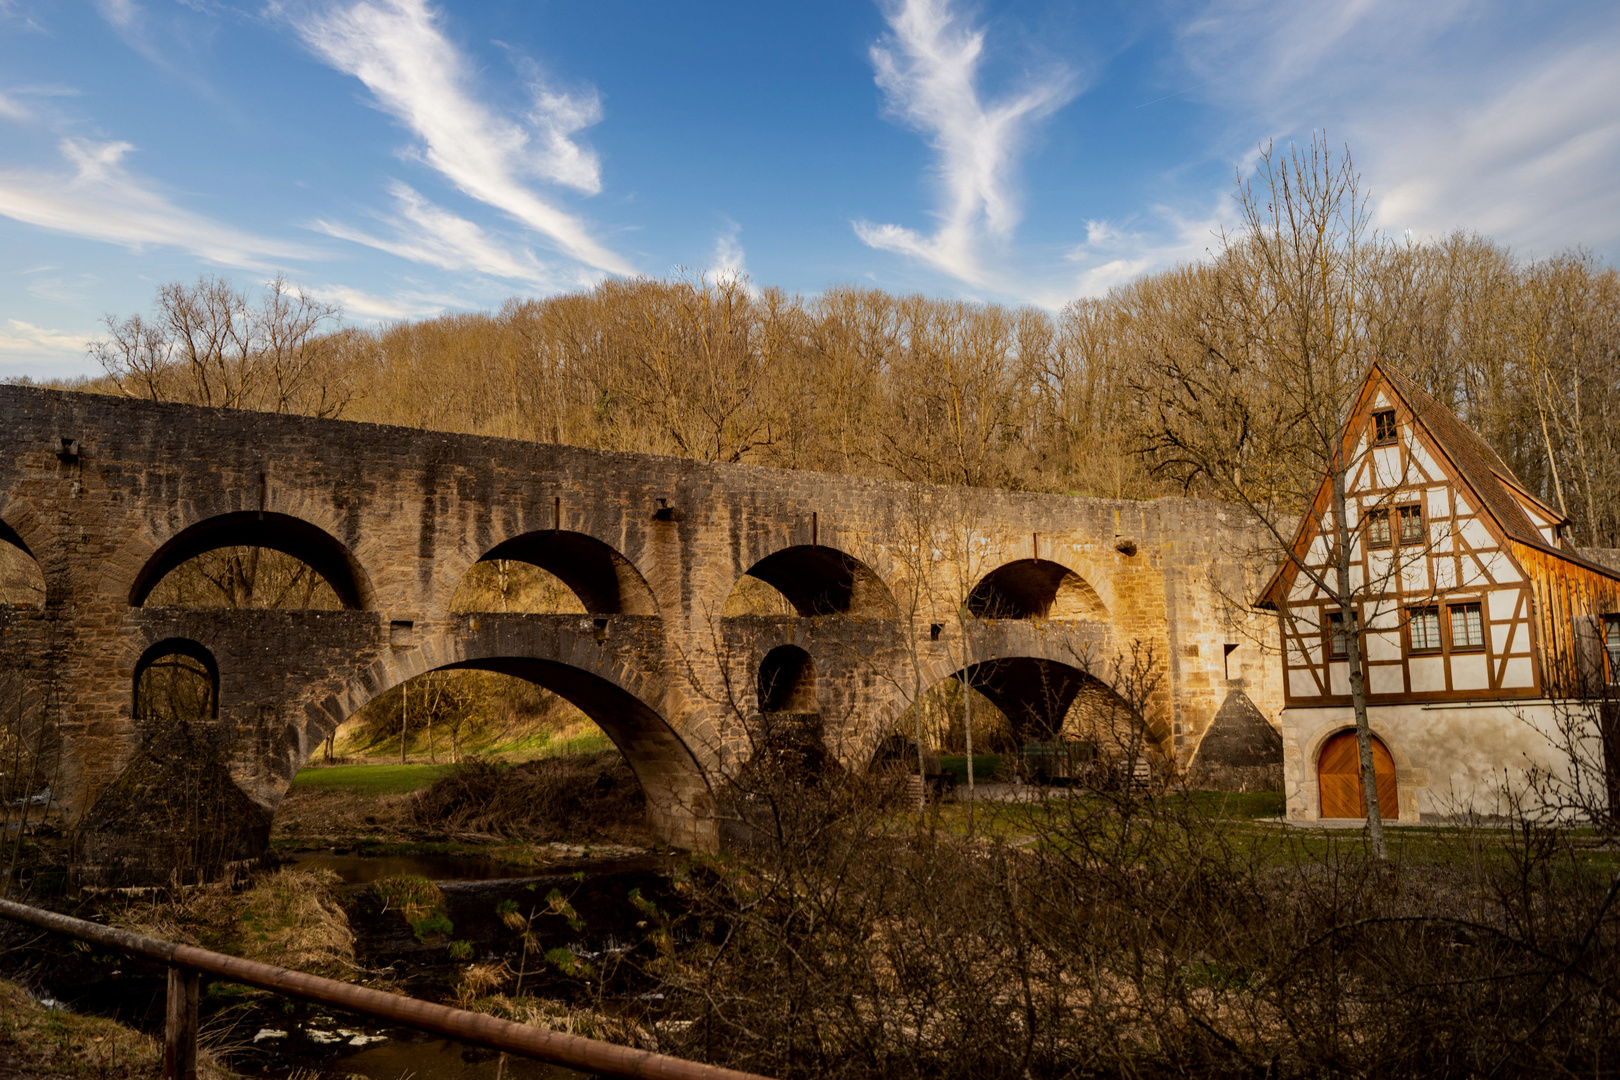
1411	524
1384	427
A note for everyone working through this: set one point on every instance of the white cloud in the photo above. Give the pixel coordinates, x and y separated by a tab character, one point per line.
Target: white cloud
397	305
103	200
37	341
428	234
1461	113
928	67
729	262
397	49
1112	255
12	109
43	353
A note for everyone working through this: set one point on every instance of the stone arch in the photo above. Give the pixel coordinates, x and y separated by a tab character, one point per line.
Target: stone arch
175	660
22	579
618	699
605	582
293	536
1037	692
821	580
787	681
1034	589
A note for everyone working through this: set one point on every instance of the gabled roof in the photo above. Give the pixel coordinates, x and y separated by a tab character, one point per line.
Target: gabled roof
1474	464
1480	466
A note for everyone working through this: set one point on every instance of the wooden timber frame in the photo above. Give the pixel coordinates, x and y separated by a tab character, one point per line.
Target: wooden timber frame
187	962
1484	540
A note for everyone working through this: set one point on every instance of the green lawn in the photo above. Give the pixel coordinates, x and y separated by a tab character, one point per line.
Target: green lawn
371	779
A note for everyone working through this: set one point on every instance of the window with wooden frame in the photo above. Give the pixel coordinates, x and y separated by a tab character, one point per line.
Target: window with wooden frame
1378	528
1423	629
1467	627
1384	428
1338	647
1611	646
1410	520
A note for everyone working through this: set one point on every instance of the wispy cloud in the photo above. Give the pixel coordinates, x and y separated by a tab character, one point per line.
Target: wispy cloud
38	341
399	51
426	233
1461	114
43	352
728	262
367	307
929	66
1112	254
12	109
103	200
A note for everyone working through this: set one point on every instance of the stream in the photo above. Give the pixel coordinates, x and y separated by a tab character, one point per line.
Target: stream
276	1037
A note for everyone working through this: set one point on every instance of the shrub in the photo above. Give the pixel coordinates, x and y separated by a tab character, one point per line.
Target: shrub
567	797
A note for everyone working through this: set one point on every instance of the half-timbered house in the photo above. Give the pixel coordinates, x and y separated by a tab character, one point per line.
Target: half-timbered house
1478	621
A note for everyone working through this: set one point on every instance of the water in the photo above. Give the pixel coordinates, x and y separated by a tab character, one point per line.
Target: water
402	1052
364	869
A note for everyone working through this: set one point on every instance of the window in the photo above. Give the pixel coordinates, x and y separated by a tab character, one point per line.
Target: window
1611	644
1411	522
1384	427
1467	627
1423	627
1337	644
1378	528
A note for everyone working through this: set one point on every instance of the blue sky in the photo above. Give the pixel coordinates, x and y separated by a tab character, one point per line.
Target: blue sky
404	158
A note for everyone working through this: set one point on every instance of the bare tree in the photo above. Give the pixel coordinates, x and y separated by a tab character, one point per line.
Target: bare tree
1248	403
211	344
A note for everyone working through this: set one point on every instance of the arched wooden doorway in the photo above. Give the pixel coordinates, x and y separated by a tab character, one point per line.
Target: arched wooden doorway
1338	778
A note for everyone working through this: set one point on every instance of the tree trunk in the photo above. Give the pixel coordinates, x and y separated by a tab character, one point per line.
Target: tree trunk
1351	628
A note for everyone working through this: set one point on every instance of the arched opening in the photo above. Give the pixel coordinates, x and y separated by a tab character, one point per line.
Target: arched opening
466	752
1040	718
547	752
787	681
176	681
554	572
174	814
22	583
813	580
1339	782
1034	589
219	568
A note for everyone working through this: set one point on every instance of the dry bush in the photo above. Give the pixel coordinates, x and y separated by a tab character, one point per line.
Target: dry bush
290	918
570	796
1106	933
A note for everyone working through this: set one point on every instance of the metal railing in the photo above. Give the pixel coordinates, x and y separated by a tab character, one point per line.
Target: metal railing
187	962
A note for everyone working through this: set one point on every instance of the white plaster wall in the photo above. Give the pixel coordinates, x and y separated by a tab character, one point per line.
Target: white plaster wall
1449	760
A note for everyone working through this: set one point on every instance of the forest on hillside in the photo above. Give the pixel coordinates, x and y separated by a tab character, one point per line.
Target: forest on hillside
861	381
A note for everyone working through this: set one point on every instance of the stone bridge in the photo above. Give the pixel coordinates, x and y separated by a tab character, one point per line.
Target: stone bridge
895	587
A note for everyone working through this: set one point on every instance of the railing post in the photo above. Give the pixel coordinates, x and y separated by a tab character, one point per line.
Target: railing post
180	1033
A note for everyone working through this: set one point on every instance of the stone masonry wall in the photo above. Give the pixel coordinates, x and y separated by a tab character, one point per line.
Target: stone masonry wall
96	486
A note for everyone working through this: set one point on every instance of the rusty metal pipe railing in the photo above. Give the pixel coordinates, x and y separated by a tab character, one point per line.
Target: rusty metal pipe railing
185	961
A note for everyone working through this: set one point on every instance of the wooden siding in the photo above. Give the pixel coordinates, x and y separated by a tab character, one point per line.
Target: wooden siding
1571	600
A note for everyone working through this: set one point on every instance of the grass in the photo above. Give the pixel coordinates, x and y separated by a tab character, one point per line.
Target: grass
370	779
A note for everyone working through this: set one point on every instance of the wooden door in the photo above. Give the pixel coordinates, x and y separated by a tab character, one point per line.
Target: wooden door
1338	778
